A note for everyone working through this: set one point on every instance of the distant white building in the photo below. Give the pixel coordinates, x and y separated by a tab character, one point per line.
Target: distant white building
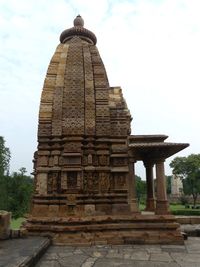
176	186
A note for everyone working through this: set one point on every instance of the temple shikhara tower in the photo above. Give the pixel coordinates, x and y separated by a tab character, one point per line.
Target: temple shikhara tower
84	164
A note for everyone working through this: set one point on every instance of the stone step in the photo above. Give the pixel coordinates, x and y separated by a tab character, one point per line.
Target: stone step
33	258
23	252
118	237
70	220
149	229
101	227
188	219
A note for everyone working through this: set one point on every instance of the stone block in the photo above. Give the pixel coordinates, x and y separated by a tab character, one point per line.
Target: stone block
56	57
194	220
62	210
47	95
23	232
60	80
104	208
183	220
52	69
120	209
5	218
41	183
15	233
80	209
115	241
89	210
50	81
40	210
53	210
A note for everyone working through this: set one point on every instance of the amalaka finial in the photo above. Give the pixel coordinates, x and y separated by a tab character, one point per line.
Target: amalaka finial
78	21
78	30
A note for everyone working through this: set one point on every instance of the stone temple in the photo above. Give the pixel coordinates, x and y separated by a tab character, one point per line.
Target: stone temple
84	165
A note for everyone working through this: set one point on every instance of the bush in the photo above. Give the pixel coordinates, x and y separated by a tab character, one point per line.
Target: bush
183	200
174	203
186	212
142	200
15	193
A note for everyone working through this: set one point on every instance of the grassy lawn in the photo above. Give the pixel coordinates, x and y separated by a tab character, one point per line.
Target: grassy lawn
178	209
182	210
16	223
172	207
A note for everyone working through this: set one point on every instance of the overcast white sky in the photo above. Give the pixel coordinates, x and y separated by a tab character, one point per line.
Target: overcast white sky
151	48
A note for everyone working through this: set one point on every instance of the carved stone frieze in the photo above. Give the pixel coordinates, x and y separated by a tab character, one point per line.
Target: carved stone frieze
120	180
90	181
104	160
104	182
119	161
53	182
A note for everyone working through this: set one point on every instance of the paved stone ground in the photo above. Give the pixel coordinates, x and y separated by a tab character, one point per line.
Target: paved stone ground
22	251
187	255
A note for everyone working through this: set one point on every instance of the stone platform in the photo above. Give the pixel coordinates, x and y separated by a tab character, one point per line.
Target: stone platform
22	252
125	229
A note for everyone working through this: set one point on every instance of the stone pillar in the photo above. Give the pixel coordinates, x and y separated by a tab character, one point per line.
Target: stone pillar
132	187
150	202
162	206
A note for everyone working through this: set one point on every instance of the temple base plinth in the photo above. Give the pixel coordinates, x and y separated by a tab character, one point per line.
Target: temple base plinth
124	229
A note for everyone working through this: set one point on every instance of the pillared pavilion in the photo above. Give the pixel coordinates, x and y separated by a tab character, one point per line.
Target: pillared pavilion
84	164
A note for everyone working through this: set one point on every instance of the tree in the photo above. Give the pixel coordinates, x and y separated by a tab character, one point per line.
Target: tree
4	157
188	168
4	170
15	189
4	182
168	183
19	191
140	187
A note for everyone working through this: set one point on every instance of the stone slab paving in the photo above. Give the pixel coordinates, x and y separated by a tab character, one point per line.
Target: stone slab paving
25	252
187	255
22	252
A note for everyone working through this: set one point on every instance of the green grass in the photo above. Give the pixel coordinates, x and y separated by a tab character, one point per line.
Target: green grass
16	223
142	207
178	209
181	210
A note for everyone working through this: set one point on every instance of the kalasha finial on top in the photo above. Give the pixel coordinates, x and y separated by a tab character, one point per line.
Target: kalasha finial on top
78	30
78	21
